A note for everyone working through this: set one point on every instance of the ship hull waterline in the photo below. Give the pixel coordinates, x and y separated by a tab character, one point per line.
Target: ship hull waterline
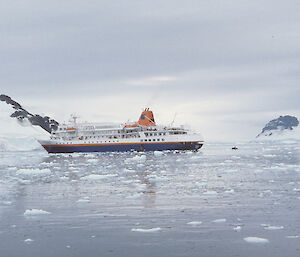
123	147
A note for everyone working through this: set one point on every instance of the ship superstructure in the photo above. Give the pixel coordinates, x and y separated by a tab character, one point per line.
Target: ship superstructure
143	135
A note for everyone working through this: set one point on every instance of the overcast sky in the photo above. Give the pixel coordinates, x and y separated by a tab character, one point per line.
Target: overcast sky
225	67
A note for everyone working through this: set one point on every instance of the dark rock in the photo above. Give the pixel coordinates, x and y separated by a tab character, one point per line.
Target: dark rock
282	123
21	114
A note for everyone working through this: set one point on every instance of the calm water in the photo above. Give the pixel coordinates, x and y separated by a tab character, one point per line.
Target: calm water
171	204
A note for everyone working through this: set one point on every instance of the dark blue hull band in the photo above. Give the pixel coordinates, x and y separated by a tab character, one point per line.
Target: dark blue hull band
123	147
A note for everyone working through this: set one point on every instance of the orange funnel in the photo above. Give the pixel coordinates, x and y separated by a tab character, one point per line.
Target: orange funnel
147	118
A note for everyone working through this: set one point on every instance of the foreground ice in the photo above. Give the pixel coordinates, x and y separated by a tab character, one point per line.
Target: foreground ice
33	172
256	240
32	212
144	230
201	201
219	220
194	223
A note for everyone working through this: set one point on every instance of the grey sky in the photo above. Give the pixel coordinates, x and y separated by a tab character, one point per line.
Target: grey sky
226	67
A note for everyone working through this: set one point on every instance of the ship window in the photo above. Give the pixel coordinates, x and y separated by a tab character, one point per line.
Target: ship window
149	139
150	134
159	134
154	140
158	139
142	140
146	140
164	133
162	139
155	134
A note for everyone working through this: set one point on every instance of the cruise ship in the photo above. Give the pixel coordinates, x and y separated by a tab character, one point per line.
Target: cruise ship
143	135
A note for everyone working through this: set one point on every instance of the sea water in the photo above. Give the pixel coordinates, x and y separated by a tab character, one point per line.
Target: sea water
214	202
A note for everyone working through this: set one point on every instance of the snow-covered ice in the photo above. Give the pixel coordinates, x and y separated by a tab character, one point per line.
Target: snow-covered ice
146	230
194	223
219	220
200	202
33	212
256	240
33	172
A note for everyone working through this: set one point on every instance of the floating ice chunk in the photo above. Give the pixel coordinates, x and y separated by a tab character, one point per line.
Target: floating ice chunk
136	158
296	189
269	155
92	160
141	187
32	212
89	155
237	228
96	177
194	223
135	196
219	220
292	237
128	170
210	193
189	152
84	200
6	202
256	240
229	191
273	227
230	171
150	230
64	178
28	240
157	179
158	153
33	172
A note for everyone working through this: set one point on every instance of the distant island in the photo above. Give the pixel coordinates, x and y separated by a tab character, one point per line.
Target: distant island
279	126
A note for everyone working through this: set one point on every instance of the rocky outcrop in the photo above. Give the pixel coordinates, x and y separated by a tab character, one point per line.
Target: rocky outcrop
22	115
279	126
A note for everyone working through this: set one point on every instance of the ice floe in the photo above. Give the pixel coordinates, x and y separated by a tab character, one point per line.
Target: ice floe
237	228
219	220
158	153
256	240
194	223
145	230
33	212
268	227
83	200
137	158
33	172
97	177
292	237
28	240
211	192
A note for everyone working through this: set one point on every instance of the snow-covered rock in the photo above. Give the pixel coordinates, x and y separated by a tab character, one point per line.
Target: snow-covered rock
280	128
33	212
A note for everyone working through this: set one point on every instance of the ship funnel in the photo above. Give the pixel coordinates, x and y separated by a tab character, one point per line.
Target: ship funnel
147	118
